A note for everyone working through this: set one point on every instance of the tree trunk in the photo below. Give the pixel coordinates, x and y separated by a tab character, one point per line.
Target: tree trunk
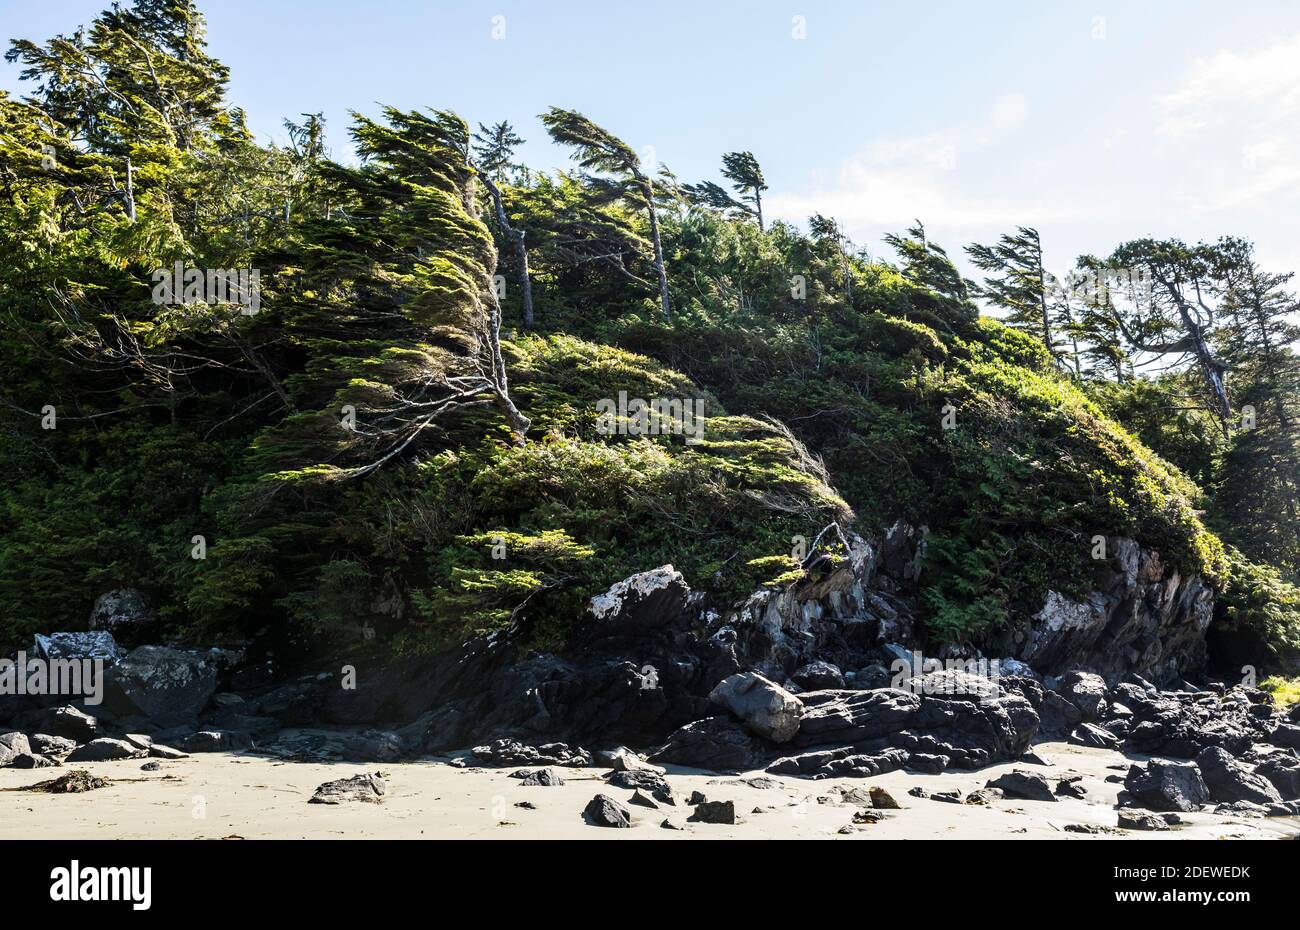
648	191
758	208
516	237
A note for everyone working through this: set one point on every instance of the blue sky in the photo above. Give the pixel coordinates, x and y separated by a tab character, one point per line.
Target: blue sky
1094	121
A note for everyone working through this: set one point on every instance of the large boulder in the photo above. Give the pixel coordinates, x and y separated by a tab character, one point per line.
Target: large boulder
105	749
169	686
125	614
91	644
636	605
1021	784
1085	691
1283	770
1286	734
1230	780
717	744
68	722
763	706
13	745
366	789
604	811
818	675
1166	786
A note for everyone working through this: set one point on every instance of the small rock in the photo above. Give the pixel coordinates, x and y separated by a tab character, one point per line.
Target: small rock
604	811
695	798
715	812
640	799
883	800
367	789
1140	820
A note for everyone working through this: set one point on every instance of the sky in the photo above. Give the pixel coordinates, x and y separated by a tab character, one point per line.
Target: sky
1095	122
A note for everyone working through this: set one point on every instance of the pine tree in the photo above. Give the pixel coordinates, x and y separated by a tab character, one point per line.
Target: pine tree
743	171
493	155
598	150
1019	284
926	263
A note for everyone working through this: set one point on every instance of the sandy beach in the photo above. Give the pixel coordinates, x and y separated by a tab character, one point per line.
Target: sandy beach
244	795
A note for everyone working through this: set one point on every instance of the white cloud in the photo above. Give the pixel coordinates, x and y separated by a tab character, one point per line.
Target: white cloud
894	179
1235	119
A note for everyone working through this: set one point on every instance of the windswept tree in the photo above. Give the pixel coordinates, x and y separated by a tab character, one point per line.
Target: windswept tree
493	154
598	150
825	229
926	263
1020	285
1166	305
746	177
743	171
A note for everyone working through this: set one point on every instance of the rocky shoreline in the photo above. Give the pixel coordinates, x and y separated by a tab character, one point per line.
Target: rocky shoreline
821	680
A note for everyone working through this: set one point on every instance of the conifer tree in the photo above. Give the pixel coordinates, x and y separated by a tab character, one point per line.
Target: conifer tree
493	155
598	150
1019	284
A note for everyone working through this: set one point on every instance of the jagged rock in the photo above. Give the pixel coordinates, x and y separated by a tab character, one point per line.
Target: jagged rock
1229	780
641	799
93	644
604	811
545	778
668	824
636	605
715	812
105	749
166	685
716	744
367	789
882	799
13	744
48	745
1071	787
1090	734
636	778
1140	820
969	733
125	614
1142	616
1173	724
1021	784
1085	691
505	752
1286	734
66	721
1166	786
695	798
1283	770
763	706
815	676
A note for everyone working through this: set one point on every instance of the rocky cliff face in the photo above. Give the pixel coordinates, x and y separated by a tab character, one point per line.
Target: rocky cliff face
1142	618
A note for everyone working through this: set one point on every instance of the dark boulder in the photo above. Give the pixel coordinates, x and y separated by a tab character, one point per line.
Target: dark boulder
1085	691
168	686
126	615
604	811
714	812
1021	784
1283	770
105	749
1098	737
1229	780
818	675
1165	786
716	744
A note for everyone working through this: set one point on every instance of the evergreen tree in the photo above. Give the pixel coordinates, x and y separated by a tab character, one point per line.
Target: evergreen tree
926	263
598	150
493	155
494	150
743	171
1019	284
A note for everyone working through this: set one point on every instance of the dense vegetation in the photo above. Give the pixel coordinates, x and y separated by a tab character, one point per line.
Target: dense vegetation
403	438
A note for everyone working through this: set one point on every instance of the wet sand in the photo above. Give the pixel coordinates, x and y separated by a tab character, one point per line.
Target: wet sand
220	795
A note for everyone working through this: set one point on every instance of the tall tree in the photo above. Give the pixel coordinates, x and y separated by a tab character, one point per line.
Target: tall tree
494	150
1258	492
743	171
1169	305
927	263
1019	284
598	150
492	156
